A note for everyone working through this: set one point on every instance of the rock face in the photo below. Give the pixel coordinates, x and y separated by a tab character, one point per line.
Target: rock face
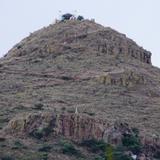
72	126
122	78
76	127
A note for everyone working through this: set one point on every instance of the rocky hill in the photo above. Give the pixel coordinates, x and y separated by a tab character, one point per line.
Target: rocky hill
75	80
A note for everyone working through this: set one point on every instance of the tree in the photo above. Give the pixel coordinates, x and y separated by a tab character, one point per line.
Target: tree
80	18
66	16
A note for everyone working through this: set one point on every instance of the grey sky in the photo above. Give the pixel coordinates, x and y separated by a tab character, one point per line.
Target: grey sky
138	19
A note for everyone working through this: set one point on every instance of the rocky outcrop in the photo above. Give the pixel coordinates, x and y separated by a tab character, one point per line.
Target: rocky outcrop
122	78
78	128
72	126
116	44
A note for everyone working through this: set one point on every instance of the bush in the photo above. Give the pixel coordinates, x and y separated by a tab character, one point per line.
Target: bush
45	148
135	131
89	113
2	139
18	145
121	156
68	148
94	145
44	156
99	158
157	155
7	158
66	16
38	106
80	18
40	132
132	143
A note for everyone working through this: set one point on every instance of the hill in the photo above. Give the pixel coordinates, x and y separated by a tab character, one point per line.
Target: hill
76	66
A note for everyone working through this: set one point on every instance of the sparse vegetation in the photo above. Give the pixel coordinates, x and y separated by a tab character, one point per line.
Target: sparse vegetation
7	157
40	132
132	142
89	113
157	155
45	148
99	158
121	156
18	145
94	145
69	149
38	106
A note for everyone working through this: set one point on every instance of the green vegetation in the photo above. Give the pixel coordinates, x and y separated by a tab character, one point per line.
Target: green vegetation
157	155
66	16
69	149
18	145
109	152
40	132
135	131
38	106
99	158
45	148
132	143
121	156
94	145
7	158
80	18
89	113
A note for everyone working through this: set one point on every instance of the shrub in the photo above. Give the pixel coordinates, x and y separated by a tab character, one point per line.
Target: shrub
44	156
40	132
135	131
89	113
80	18
45	148
132	142
7	158
66	16
69	149
2	139
157	155
18	145
38	106
99	158
121	156
94	145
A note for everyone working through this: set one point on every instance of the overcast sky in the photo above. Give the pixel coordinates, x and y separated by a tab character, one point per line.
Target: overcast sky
138	19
